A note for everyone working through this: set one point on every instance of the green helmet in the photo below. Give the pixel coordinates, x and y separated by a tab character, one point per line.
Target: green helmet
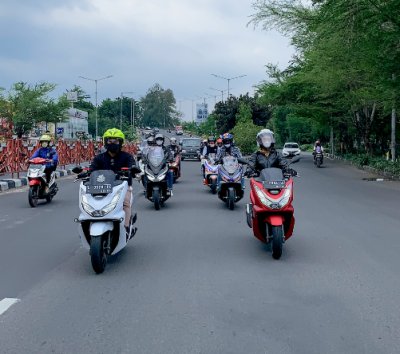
114	133
45	137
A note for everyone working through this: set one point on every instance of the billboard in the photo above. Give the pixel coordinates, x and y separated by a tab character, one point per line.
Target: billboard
201	112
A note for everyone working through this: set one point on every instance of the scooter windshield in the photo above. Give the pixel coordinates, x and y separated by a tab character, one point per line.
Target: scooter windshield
230	164
156	156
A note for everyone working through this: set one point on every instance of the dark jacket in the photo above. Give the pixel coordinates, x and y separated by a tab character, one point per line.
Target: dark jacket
233	151
105	162
258	161
210	150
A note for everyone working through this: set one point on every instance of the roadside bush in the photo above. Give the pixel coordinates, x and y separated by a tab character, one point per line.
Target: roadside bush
307	147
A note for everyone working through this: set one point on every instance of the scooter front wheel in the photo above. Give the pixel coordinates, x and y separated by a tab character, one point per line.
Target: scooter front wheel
33	196
98	255
156	198
230	201
213	187
277	241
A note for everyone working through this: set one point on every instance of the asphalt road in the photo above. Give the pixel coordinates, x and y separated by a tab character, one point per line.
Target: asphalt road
195	280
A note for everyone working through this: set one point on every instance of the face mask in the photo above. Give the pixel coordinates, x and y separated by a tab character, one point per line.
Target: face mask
112	148
159	142
227	145
212	145
45	145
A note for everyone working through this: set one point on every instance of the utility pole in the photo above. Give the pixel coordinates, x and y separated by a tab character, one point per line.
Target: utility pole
393	132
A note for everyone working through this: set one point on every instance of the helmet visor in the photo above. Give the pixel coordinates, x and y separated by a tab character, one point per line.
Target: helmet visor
266	140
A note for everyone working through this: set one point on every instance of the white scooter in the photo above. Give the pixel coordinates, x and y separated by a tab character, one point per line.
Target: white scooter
102	219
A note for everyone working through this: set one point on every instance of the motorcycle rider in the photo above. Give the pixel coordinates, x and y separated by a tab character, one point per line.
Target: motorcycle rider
159	139
174	147
219	143
228	148
115	159
48	152
266	156
210	148
318	148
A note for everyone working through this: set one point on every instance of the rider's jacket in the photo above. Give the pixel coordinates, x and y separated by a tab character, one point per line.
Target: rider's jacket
320	148
258	160
105	161
47	153
232	151
210	150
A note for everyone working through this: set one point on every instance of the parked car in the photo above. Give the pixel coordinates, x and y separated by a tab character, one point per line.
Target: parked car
190	148
290	150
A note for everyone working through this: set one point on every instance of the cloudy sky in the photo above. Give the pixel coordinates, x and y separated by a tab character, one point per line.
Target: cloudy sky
176	43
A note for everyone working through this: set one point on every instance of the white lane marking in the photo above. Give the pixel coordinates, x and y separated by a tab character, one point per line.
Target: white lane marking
6	303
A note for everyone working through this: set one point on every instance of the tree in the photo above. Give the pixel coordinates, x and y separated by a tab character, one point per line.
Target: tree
245	131
27	105
158	107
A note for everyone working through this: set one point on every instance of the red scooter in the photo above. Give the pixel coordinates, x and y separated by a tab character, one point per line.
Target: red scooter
175	166
270	211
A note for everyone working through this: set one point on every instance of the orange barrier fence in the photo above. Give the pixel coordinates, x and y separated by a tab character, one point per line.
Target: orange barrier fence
15	153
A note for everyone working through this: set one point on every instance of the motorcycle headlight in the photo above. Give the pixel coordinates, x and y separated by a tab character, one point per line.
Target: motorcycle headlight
274	203
86	206
114	201
104	211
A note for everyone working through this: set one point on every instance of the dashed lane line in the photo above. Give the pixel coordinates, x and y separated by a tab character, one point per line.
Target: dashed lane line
6	303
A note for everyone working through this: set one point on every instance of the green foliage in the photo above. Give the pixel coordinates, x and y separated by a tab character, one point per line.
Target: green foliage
225	112
344	75
159	108
27	105
245	131
379	163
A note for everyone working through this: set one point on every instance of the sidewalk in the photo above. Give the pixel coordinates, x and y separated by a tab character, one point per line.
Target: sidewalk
8	182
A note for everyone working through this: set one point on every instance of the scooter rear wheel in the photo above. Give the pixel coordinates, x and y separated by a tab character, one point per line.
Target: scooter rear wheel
98	256
277	241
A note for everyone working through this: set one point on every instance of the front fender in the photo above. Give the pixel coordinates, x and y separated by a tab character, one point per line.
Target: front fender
100	227
274	220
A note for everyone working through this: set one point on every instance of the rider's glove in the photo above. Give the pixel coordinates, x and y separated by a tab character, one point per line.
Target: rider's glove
82	175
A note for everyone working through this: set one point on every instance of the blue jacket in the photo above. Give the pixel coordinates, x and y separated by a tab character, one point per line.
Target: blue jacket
47	153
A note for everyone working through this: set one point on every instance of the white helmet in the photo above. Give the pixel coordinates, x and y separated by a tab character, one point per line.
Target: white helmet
265	138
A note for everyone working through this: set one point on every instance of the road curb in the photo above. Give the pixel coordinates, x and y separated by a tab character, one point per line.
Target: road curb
11	183
365	168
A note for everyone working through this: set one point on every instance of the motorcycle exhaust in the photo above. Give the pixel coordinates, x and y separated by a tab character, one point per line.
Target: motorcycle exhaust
249	215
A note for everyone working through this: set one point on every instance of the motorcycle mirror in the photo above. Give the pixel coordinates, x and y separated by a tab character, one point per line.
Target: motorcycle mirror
77	169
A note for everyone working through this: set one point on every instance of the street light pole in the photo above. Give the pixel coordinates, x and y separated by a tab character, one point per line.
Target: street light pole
120	112
229	79
222	92
96	107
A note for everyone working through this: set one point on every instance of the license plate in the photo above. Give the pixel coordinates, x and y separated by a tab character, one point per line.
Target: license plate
274	184
99	189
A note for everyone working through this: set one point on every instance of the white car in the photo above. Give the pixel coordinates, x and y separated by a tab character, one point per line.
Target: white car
291	150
